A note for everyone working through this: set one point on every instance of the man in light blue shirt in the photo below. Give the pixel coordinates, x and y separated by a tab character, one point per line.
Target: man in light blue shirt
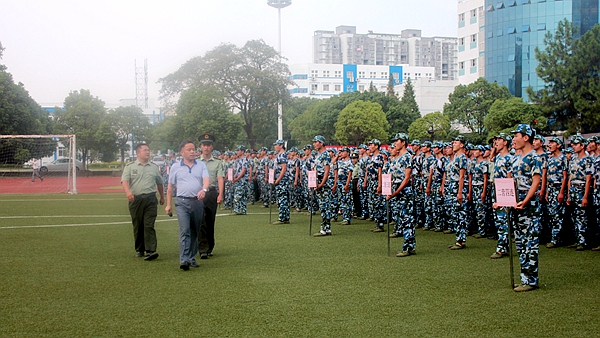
192	180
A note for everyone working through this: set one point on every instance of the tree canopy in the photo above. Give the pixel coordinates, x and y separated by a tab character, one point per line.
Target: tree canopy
129	126
401	114
505	115
252	79
433	126
361	121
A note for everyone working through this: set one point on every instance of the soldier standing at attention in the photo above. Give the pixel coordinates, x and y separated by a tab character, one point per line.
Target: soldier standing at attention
140	181
479	186
373	186
241	182
457	189
281	183
345	169
502	169
322	166
580	180
557	188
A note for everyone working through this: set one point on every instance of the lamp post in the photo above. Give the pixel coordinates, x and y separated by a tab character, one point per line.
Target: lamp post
279	4
431	132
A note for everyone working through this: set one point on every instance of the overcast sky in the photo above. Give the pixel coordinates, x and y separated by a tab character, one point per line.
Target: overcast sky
56	46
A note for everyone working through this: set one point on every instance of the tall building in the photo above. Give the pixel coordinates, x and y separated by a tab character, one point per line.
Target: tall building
514	28
345	46
471	40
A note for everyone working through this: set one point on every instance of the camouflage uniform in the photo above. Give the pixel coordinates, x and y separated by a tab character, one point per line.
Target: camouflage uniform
479	170
323	195
556	210
579	168
417	188
376	201
229	186
363	164
438	199
402	204
502	166
262	185
429	164
457	212
527	227
296	197
345	169
282	189
240	197
311	203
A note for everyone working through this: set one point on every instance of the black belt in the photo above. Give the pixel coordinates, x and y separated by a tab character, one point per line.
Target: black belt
188	198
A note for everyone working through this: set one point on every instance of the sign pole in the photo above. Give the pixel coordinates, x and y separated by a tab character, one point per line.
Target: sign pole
510	247
506	196
386	185
312	185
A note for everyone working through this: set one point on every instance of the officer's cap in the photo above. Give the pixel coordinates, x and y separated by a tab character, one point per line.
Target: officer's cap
345	149
354	155
206	138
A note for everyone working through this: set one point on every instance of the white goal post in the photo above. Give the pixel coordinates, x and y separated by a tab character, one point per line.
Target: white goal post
57	155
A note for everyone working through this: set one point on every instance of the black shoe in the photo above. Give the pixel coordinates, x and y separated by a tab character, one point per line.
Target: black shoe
151	255
194	264
139	254
185	266
204	255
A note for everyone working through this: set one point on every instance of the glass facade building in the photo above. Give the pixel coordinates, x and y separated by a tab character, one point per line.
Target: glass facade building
514	28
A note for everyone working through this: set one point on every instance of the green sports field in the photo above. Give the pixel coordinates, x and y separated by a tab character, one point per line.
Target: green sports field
69	269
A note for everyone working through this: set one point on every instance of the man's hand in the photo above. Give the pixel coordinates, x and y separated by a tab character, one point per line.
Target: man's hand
162	200
130	196
167	209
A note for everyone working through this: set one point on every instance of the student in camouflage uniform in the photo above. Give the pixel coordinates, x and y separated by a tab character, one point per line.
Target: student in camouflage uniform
447	226
376	200
296	195
527	170
240	182
437	175
502	169
401	199
556	191
427	168
580	179
479	186
261	176
538	145
417	184
282	182
345	169
457	191
229	187
322	166
309	163
334	199
363	163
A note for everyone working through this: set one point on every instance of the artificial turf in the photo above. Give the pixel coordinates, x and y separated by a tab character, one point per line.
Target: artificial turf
63	278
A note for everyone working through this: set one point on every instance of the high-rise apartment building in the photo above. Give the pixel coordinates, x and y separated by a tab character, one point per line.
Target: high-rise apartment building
345	46
514	28
471	40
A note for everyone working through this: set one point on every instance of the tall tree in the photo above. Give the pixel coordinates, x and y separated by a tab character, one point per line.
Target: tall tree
469	104
390	91
361	121
129	126
81	116
505	115
252	78
433	126
585	85
554	68
404	112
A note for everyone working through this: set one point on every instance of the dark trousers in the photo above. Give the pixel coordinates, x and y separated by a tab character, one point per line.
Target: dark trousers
143	212
356	198
206	241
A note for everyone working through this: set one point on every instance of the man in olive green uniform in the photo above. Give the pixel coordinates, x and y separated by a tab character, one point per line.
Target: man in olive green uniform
214	196
140	180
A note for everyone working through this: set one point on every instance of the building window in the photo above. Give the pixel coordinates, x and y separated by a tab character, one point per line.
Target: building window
511	3
511	30
461	41
474	13
337	88
473	62
372	75
511	57
361	75
384	75
499	5
325	73
361	88
338	73
500	32
490	8
325	87
541	27
350	75
461	17
490	35
314	87
461	65
474	38
525	2
525	28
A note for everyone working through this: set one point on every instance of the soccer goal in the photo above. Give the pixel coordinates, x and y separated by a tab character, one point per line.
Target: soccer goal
50	160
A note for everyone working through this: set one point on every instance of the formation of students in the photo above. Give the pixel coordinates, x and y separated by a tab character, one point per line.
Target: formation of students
436	186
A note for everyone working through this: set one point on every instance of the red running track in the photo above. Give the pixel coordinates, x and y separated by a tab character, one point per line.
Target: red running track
85	185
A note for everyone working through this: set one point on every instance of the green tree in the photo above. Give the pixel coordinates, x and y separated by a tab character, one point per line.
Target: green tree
82	116
252	78
129	126
205	110
390	91
401	114
585	85
554	68
361	121
433	126
469	104
505	115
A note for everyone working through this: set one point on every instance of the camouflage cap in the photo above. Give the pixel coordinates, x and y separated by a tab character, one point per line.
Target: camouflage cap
524	129
400	136
345	149
375	142
557	140
293	150
414	142
504	136
437	144
569	150
578	139
333	150
241	147
426	144
540	137
363	146
308	146
319	138
385	152
461	139
480	148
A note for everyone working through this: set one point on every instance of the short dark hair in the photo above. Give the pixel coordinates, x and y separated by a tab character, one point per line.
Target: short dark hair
184	142
139	145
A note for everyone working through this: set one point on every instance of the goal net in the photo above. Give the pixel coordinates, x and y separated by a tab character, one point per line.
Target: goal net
37	164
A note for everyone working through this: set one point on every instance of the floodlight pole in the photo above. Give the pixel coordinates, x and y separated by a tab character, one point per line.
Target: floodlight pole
279	4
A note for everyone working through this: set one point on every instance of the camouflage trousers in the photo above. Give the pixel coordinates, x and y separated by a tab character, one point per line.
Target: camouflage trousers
502	226
323	197
376	204
457	213
297	196
437	201
264	190
556	212
364	198
479	209
311	202
346	203
419	201
402	211
527	231
334	202
240	197
228	196
282	192
578	215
